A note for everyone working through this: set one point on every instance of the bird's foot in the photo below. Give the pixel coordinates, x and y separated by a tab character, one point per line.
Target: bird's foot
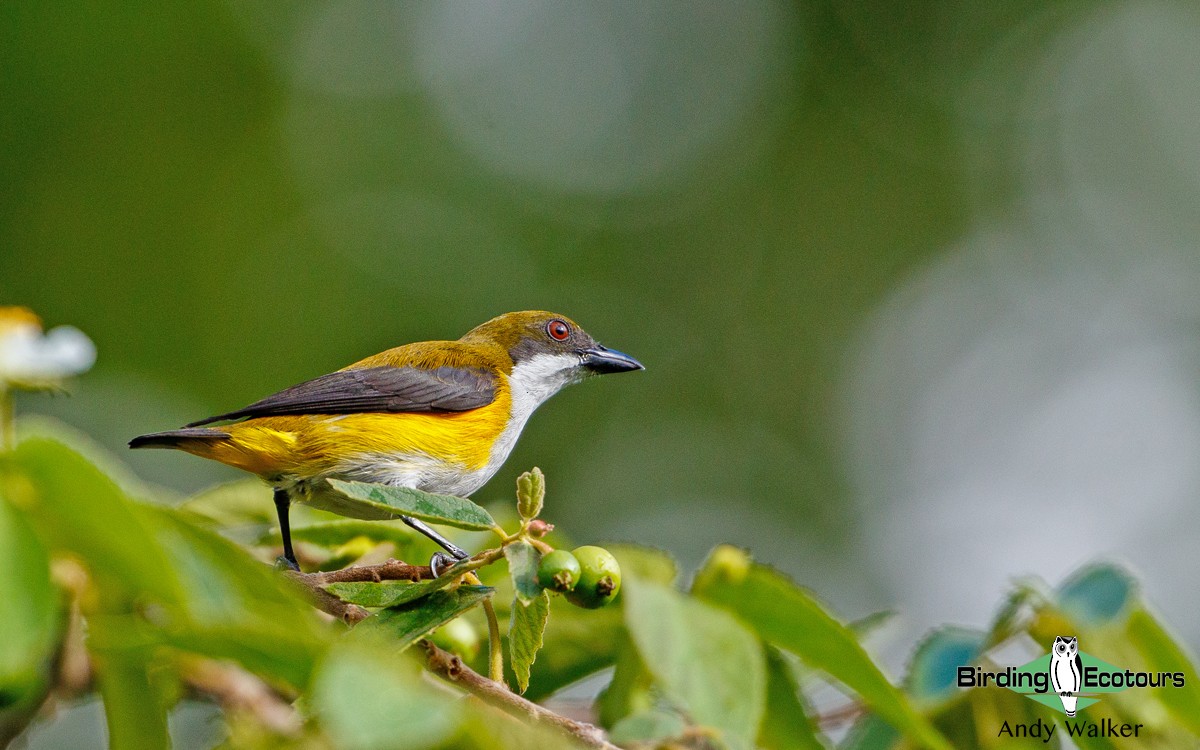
285	563
441	561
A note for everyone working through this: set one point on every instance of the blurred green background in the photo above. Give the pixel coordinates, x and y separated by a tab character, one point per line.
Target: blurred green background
915	284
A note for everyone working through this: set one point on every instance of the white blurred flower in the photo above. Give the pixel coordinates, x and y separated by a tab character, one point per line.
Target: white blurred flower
30	358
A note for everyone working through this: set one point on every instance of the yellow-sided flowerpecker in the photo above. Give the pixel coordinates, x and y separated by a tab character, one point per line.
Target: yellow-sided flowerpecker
437	416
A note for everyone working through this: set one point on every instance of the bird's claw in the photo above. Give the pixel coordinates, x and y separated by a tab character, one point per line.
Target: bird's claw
440	562
284	563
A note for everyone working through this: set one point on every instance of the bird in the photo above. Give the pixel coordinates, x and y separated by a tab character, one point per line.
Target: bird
436	416
1066	671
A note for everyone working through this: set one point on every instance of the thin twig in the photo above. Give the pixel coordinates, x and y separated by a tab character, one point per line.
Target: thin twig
392	570
327	602
236	689
451	668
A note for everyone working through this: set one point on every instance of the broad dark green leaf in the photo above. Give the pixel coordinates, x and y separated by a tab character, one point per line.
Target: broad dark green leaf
703	658
378	502
523	562
408	623
1163	654
527	623
933	669
650	726
77	507
29	621
790	618
369	700
385	593
1097	594
785	725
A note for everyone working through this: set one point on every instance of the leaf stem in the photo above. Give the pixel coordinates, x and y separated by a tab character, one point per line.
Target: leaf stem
495	654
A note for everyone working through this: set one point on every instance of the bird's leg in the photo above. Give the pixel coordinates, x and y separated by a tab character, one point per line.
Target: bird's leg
282	503
439	561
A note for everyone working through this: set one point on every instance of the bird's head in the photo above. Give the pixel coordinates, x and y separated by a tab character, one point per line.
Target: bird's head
548	350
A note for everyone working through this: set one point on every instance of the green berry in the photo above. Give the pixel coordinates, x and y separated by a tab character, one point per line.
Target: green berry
599	578
559	571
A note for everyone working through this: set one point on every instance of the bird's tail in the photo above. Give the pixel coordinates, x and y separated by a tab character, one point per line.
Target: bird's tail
179	439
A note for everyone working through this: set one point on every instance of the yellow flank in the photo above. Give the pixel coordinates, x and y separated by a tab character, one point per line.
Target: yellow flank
307	445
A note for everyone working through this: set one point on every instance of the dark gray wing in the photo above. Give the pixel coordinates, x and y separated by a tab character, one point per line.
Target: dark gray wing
376	389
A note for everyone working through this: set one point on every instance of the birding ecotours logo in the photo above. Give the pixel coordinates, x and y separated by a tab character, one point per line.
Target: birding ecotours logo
1066	679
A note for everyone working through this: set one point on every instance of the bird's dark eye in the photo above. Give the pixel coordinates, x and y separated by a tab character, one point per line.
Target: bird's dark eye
558	330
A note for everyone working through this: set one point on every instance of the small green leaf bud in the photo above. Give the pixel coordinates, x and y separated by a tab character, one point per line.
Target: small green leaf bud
531	491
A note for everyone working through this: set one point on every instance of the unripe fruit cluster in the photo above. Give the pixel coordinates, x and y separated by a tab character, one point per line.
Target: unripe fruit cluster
589	577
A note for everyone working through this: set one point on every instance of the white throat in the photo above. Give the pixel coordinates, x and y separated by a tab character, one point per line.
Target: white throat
531	383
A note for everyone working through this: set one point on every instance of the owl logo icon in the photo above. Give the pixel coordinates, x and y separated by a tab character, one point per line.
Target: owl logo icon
1066	671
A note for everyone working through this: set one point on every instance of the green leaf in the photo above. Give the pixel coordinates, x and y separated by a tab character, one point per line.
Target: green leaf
133	706
1163	654
1097	594
577	643
651	726
523	562
379	502
630	690
790	618
933	669
408	623
703	658
82	511
645	563
385	593
785	724
369	700
526	624
29	622
332	534
246	502
531	492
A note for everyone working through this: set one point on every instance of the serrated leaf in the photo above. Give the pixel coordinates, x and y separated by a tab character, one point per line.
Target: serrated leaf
531	493
790	618
702	657
381	502
385	593
523	562
408	623
785	724
369	701
526	625
29	625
